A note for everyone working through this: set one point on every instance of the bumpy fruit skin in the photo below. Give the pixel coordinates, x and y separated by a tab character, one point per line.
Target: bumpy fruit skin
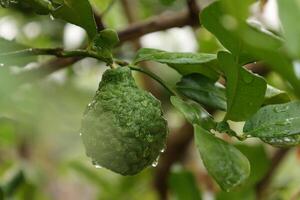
123	128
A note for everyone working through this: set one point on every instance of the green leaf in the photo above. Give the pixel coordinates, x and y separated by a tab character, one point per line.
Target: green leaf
211	18
245	91
289	12
248	43
11	46
203	90
183	186
193	112
223	20
226	164
275	121
104	42
184	63
286	141
275	96
16	181
106	39
259	164
78	12
42	7
240	10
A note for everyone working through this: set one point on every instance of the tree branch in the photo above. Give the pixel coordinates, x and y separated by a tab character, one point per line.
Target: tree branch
176	147
158	23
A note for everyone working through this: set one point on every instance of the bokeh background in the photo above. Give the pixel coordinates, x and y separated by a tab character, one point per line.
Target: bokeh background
41	153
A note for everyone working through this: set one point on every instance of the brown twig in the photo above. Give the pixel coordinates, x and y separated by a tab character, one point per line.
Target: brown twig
264	183
134	31
194	10
176	147
158	23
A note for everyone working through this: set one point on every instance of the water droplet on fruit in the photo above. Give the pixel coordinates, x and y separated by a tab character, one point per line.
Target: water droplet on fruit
1	65
80	134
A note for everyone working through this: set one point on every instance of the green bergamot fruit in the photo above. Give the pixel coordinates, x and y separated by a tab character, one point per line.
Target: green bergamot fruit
123	128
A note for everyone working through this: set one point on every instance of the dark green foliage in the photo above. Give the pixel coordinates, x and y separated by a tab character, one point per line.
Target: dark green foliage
278	124
203	90
123	128
245	91
226	164
184	63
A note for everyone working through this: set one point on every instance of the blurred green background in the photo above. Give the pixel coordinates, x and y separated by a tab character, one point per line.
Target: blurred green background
41	154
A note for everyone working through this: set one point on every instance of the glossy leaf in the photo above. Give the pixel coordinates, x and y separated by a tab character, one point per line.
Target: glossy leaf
183	186
203	90
275	96
245	91
289	12
215	21
184	63
248	43
78	12
275	121
226	164
193	113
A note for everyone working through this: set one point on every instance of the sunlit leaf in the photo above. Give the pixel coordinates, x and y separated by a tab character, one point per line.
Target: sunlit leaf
184	63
